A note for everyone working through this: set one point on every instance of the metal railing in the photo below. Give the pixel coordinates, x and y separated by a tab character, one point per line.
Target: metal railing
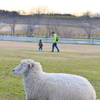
49	40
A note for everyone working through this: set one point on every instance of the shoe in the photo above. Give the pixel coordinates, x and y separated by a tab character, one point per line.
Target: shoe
51	51
58	51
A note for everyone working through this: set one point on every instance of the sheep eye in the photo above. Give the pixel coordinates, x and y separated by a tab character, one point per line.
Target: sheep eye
24	66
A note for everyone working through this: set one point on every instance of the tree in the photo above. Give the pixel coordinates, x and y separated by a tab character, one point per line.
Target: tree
2	22
12	21
29	26
38	14
2	25
87	14
86	23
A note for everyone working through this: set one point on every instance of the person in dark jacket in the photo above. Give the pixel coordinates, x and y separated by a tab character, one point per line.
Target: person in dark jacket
40	44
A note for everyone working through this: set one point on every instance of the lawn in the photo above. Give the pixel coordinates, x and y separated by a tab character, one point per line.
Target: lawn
76	59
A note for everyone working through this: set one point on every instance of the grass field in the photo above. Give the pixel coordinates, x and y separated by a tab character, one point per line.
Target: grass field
82	60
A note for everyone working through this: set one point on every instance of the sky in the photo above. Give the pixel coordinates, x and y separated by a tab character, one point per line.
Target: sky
62	6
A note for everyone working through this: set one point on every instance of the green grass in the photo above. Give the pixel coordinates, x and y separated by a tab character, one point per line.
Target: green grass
11	86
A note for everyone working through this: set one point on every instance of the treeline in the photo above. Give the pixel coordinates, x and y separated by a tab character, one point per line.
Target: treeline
9	13
6	13
16	13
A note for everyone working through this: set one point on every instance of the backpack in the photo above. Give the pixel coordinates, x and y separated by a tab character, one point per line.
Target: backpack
57	38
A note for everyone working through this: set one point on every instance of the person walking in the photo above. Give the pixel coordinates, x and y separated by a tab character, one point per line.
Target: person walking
55	41
40	44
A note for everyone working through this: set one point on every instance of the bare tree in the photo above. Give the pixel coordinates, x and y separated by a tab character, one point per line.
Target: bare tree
54	24
86	23
87	14
48	26
57	26
67	32
2	23
38	14
12	26
21	12
30	25
12	21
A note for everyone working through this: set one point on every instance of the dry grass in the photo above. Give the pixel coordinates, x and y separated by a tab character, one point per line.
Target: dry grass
47	47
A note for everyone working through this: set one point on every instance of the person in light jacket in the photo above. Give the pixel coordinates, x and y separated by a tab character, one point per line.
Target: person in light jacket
55	41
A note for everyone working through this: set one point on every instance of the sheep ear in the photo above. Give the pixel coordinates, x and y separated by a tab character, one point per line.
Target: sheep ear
30	65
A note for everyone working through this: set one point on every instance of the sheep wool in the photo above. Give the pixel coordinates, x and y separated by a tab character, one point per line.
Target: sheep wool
40	85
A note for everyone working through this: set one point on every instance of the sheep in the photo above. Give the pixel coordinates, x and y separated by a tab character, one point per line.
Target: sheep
40	85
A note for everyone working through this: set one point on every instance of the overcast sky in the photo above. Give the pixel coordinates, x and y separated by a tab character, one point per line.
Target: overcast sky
62	6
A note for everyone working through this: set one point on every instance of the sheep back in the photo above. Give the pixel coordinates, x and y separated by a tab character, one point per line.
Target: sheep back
53	86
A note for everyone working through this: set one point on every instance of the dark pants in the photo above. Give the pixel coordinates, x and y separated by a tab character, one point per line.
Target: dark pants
40	48
54	45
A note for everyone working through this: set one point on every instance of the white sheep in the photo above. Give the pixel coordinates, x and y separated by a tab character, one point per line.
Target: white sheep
40	85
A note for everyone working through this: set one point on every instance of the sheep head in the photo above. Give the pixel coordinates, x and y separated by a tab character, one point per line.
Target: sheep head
23	67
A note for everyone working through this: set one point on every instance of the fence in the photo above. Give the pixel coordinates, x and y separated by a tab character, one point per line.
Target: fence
49	40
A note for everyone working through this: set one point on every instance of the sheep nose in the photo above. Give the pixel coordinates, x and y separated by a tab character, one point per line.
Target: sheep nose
13	70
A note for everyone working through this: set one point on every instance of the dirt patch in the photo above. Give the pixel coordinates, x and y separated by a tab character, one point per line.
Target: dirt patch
47	46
